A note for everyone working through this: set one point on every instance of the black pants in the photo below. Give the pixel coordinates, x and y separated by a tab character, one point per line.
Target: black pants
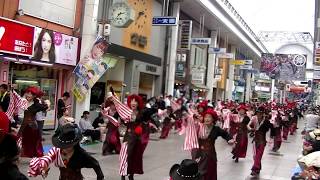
40	127
94	134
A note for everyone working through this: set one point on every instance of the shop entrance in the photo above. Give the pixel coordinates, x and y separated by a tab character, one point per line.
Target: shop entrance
24	76
146	83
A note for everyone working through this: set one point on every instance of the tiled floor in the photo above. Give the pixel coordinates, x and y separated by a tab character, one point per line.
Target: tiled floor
161	155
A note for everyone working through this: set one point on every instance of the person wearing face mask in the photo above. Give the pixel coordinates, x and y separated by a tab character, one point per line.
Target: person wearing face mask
31	138
44	47
206	154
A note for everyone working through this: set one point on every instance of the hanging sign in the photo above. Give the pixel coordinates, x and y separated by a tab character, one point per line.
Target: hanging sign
226	56
212	50
201	41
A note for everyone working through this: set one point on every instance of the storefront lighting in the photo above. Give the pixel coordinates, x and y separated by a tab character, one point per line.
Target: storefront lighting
215	11
41	63
26	82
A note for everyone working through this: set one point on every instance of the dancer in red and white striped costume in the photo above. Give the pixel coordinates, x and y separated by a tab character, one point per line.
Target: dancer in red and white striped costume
67	155
204	139
31	138
135	139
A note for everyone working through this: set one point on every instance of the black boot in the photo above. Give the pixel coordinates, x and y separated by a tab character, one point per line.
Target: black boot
123	178
131	177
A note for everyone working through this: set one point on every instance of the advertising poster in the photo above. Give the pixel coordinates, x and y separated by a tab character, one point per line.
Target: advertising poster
284	66
55	47
91	67
16	37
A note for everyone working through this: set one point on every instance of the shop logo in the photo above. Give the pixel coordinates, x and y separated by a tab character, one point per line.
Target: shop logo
2	30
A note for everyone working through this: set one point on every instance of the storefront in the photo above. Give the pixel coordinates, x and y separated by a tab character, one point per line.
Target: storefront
33	56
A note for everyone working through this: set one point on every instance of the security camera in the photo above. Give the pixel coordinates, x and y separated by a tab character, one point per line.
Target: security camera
20	12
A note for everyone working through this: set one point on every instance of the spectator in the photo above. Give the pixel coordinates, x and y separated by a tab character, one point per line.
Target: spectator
4	98
62	104
187	170
65	119
87	128
98	122
9	155
41	116
168	100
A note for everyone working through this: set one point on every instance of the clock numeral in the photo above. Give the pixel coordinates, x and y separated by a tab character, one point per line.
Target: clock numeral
134	38
142	41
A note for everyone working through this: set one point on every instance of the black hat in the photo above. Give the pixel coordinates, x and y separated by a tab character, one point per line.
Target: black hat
187	170
67	136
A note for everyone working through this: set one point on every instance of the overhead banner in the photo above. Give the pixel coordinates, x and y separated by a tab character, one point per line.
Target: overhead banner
284	66
55	47
91	67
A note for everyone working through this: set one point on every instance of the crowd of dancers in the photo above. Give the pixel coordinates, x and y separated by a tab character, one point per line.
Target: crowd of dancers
200	122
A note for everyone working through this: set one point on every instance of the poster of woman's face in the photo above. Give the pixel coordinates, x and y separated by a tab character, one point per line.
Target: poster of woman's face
44	48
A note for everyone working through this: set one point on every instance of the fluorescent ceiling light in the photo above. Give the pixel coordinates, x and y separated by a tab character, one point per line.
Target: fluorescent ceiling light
41	63
215	11
26	81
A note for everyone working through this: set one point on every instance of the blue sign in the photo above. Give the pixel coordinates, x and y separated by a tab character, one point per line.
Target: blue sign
164	21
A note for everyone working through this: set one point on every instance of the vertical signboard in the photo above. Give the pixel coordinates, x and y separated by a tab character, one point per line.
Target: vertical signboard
185	34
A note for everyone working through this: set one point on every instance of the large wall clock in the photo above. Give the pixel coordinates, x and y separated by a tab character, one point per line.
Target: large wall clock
122	15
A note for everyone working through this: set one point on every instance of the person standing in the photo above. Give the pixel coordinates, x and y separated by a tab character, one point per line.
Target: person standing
260	126
41	116
110	116
206	154
135	140
67	155
240	149
31	139
62	104
4	98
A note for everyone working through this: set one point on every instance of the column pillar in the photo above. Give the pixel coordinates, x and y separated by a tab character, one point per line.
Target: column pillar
272	89
211	66
248	86
89	34
230	81
173	43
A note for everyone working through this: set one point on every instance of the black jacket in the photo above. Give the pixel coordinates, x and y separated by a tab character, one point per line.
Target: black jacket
4	102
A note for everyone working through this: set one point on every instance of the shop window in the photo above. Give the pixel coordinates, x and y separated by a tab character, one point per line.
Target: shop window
98	93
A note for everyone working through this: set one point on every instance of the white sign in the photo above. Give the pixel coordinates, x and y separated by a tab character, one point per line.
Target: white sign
247	62
201	41
197	78
262	88
212	50
246	67
226	56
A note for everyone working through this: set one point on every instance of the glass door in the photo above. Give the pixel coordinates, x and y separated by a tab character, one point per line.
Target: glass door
49	87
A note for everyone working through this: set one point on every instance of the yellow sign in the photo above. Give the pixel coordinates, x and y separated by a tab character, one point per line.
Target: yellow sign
237	62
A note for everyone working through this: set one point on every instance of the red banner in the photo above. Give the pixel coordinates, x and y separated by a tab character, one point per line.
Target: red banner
16	38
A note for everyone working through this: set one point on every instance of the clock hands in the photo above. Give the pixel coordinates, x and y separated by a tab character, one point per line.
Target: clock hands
119	14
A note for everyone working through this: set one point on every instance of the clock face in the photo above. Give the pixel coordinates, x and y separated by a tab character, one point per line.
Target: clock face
121	15
141	8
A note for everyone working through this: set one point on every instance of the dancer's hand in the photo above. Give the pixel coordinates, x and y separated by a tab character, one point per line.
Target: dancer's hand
231	142
44	172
